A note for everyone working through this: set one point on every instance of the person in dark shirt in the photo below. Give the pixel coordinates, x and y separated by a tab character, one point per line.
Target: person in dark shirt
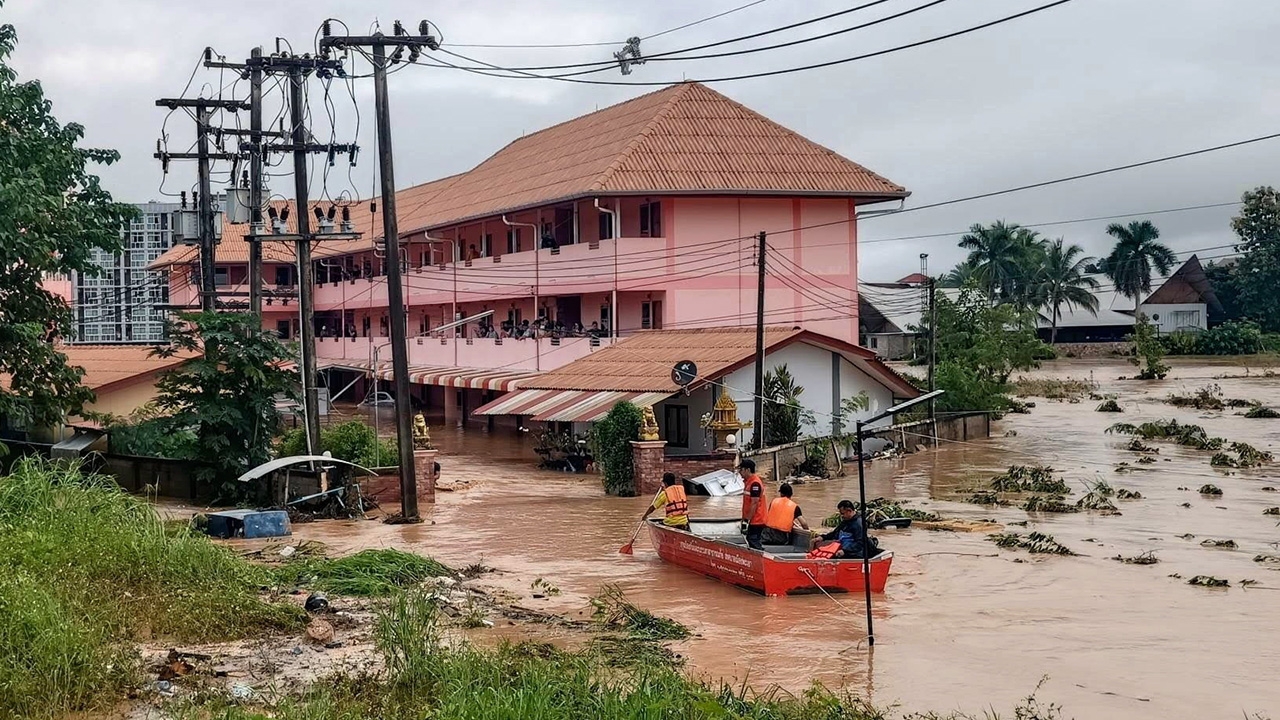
848	532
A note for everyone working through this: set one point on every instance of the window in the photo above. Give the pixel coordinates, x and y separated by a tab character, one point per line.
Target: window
282	329
513	240
651	315
872	342
606	226
651	219
284	275
1181	319
677	425
221	276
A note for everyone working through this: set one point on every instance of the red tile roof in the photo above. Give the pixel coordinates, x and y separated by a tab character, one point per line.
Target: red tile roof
108	365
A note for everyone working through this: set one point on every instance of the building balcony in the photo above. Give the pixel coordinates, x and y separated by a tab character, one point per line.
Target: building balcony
642	263
507	354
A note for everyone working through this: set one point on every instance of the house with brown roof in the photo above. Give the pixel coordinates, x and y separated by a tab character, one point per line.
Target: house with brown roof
640	216
638	369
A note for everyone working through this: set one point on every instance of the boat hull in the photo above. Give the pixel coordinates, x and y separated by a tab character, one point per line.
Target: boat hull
767	573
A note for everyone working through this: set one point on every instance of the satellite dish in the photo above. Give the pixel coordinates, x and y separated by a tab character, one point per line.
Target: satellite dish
684	372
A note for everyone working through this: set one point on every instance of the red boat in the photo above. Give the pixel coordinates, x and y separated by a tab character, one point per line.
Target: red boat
717	549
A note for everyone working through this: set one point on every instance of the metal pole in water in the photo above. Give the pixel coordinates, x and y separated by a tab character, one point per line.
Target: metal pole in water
866	559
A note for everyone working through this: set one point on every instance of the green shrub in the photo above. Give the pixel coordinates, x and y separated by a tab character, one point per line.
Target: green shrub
352	441
611	444
1148	351
1235	337
1180	342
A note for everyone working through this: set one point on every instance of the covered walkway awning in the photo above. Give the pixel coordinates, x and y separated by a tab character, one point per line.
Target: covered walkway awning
445	376
567	405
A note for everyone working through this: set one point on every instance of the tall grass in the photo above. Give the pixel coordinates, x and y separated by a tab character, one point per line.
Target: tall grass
85	569
368	573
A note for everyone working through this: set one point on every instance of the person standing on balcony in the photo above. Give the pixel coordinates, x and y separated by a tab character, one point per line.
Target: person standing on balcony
472	253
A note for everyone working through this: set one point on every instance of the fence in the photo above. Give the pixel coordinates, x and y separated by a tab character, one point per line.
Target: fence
157	476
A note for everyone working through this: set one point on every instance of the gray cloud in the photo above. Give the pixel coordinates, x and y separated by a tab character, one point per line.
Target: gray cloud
1088	85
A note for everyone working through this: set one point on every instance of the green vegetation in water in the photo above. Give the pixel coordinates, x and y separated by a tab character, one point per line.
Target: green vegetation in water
1136	445
1037	543
86	570
1246	456
1098	501
1208	581
1267	559
1192	436
1261	412
368	573
542	587
1048	504
1210	490
1146	460
1053	388
1226	544
986	497
352	441
1144	558
612	611
1109	406
1123	494
882	509
1208	397
1029	478
1271	511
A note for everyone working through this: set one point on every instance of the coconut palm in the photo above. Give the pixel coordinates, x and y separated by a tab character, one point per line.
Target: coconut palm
1136	253
1064	281
960	275
1004	256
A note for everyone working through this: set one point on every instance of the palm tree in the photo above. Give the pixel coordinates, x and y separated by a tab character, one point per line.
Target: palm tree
1136	253
1064	281
959	276
1000	255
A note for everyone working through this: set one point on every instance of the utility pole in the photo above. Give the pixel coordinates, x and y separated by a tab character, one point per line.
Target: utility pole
203	109
311	400
758	432
255	183
931	287
378	42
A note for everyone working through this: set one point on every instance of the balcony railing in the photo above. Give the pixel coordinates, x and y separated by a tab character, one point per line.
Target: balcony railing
484	353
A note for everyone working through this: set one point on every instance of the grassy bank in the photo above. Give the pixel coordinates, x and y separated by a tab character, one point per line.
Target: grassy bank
86	570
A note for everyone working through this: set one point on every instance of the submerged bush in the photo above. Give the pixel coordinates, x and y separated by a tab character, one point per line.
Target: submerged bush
611	444
367	573
352	441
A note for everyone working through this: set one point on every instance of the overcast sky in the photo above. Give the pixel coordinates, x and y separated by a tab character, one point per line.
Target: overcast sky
1080	87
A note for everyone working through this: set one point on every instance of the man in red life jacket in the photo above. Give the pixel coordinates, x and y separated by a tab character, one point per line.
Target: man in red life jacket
784	514
755	506
673	502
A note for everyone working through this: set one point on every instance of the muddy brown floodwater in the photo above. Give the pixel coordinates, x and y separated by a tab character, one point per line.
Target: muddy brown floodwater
962	625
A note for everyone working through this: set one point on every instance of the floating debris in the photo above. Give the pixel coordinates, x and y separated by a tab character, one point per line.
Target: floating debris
1029	478
1267	559
1262	412
1208	397
1037	543
1137	445
1210	490
1146	558
1053	388
1207	581
986	497
1109	406
1210	542
1268	488
1146	460
1187	536
1271	511
1123	494
1048	504
1185	505
614	612
1096	500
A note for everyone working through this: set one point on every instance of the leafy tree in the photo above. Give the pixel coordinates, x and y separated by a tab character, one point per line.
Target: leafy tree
1136	253
53	215
226	394
1005	259
979	346
1148	350
611	444
1258	272
1063	282
784	417
147	432
1225	279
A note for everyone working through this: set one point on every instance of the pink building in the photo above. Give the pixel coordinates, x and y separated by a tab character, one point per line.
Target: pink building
640	216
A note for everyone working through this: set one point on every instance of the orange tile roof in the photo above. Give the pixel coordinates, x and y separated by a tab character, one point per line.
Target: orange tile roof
107	365
684	139
643	362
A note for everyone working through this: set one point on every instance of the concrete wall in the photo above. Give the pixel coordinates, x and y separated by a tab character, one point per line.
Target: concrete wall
124	399
1180	317
827	378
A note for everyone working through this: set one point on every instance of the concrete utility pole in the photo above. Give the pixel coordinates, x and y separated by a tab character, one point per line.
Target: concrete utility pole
758	431
378	42
255	183
307	331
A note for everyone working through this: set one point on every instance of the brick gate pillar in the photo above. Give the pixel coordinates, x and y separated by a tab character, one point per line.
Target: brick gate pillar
424	468
649	458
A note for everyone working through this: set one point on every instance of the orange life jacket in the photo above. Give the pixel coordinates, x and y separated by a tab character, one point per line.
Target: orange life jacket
824	551
677	502
762	509
782	515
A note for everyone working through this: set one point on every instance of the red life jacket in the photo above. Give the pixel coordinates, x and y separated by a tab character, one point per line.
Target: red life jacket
825	551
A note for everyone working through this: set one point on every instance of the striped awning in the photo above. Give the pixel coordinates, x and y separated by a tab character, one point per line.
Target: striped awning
446	376
567	405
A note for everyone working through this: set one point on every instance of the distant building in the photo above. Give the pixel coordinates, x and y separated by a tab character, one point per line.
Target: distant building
125	302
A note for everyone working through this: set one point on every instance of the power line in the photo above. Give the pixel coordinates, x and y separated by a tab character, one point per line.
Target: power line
745	76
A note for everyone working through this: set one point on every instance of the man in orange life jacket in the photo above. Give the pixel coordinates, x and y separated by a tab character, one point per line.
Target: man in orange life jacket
673	502
784	514
755	506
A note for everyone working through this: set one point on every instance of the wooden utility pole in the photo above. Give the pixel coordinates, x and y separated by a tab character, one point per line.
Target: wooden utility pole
758	431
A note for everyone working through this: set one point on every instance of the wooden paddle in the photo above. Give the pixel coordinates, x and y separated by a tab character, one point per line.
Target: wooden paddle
626	549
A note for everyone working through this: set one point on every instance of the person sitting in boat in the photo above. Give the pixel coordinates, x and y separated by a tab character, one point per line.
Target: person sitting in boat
755	505
848	533
784	514
673	502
